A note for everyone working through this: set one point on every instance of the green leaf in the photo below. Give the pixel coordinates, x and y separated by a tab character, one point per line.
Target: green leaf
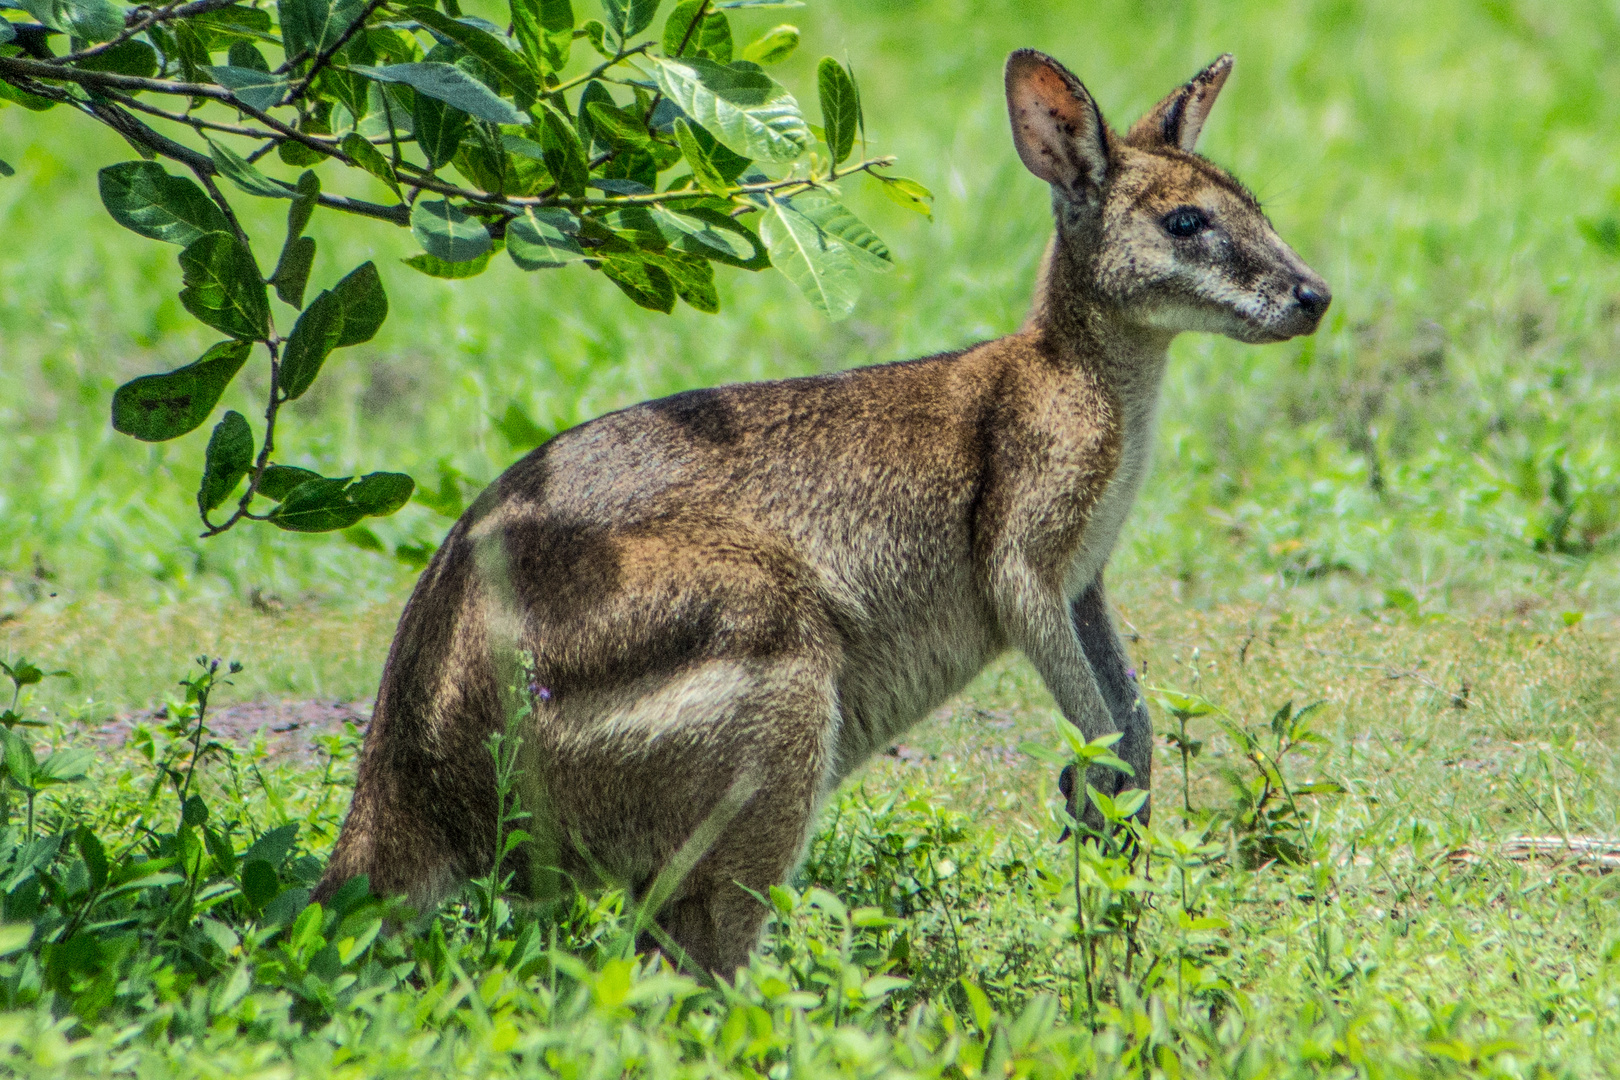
819	265
837	221
1127	803
379	494
256	89
313	338
292	272
840	107
543	237
630	17
1043	753
451	85
482	44
710	40
307	197
91	20
311	26
244	54
364	539
18	758
773	46
131	57
14	937
316	506
32	102
743	107
142	197
692	276
435	267
448	232
519	429
154	408
730	166
194	811
272	848
1603	234
229	457
737	5
545	29
596	33
908	193
369	158
223	287
6	34
365	304
647	285
703	170
278	481
439	129
594	92
298	253
5	166
220	848
564	155
259	882
718	220
979	1003
222	26
244	175
675	225
617	127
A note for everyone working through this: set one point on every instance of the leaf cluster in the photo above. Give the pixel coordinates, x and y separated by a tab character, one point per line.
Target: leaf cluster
647	154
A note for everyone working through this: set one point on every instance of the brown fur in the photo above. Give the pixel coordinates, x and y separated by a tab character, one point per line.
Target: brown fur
774	580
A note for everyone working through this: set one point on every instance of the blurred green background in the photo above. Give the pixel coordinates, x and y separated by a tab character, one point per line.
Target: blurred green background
1447	441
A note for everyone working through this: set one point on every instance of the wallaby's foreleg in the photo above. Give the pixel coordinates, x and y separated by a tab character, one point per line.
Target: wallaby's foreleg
1116	678
1038	622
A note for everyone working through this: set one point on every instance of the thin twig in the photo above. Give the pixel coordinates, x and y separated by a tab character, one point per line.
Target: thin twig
139	21
324	57
599	69
263	462
186	118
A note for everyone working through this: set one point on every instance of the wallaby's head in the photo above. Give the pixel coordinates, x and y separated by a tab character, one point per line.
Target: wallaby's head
1160	235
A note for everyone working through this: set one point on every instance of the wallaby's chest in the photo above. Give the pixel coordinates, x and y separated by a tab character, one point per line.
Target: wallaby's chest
1107	517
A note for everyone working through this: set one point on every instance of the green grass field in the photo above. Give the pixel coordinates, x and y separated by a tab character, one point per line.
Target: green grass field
1413	517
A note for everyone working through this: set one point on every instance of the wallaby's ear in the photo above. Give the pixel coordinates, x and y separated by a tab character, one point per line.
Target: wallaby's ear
1056	126
1177	120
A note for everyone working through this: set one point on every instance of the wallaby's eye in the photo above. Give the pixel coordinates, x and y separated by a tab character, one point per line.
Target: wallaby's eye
1186	221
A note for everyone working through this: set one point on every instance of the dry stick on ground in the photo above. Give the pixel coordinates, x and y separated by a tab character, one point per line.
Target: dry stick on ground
1601	852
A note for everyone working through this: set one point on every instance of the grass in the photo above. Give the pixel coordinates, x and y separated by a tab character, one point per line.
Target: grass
1406	942
1413	516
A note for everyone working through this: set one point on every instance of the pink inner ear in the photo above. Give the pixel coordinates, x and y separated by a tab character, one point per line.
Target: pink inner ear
1052	95
1054	125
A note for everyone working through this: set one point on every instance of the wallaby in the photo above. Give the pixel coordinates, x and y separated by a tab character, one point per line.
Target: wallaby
738	595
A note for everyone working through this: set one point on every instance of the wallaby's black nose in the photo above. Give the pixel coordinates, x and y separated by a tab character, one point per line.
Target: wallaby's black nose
1314	301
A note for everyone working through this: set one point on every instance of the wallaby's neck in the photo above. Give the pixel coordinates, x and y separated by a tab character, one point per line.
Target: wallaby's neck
1088	331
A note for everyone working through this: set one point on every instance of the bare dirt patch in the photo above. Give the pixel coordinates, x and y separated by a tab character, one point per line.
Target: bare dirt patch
290	726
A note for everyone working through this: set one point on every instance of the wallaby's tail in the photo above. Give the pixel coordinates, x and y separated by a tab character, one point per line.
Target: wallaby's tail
423	815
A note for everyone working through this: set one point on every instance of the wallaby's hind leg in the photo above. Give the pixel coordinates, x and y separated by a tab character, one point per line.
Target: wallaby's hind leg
715	915
632	785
